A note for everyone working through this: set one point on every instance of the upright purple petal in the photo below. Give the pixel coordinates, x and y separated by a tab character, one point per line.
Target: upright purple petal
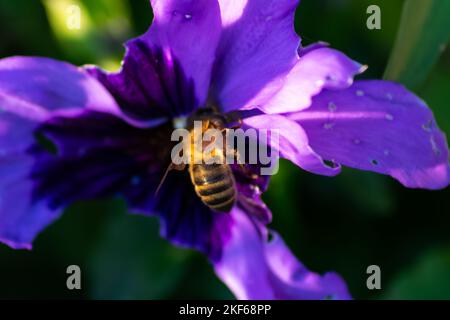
259	65
257	50
319	69
255	268
188	30
379	126
32	90
166	72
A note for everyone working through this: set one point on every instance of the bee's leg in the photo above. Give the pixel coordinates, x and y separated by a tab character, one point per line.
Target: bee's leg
240	122
172	166
233	118
237	126
248	173
244	169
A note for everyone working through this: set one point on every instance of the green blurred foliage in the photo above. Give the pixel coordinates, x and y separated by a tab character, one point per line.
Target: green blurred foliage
131	261
428	277
423	35
131	253
344	223
89	30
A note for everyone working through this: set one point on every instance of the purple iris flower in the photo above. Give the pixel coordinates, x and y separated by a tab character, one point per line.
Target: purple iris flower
69	134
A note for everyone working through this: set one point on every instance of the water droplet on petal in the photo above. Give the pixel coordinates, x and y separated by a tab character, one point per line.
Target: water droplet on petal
389	117
328	125
428	126
188	16
374	162
389	96
332	107
435	147
386	152
269	18
360	93
320	83
330	163
330	77
357	141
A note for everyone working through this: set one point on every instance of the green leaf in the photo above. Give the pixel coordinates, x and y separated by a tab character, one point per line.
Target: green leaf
422	36
435	92
132	261
429	278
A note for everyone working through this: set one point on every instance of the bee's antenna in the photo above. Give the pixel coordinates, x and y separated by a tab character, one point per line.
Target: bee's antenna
171	167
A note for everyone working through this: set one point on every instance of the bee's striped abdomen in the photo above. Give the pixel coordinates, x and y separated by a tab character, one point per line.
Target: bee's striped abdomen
215	185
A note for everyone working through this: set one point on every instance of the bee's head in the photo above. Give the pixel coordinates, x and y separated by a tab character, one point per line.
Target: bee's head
215	119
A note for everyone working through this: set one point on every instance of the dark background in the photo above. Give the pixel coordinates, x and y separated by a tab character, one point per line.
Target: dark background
345	223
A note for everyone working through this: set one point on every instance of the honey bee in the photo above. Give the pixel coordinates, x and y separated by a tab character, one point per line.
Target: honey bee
214	183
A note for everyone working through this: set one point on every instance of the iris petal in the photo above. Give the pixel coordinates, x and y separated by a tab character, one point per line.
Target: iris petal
185	220
257	49
319	69
99	155
166	72
254	268
291	141
32	90
378	126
